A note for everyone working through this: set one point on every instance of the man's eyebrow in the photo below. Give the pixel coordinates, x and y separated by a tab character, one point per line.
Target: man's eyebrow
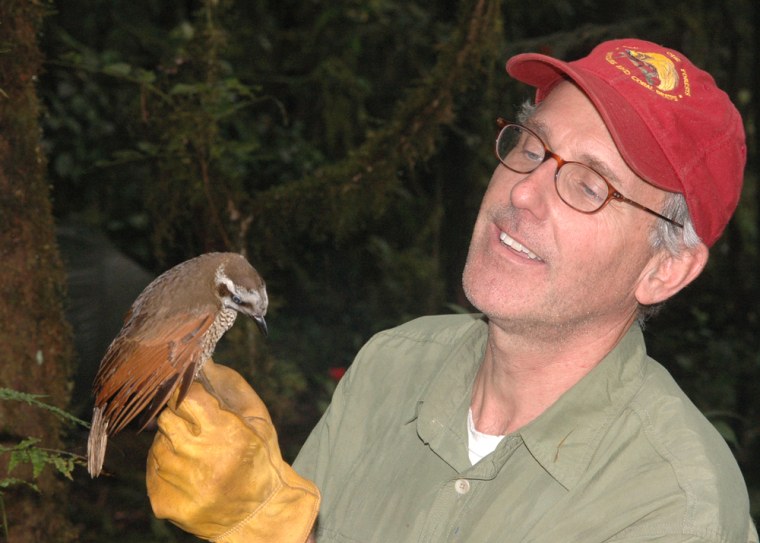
541	129
538	126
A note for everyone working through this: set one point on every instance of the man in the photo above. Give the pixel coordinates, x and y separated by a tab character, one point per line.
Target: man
544	420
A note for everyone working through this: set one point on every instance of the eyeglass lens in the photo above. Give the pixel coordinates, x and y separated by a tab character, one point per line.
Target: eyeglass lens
579	186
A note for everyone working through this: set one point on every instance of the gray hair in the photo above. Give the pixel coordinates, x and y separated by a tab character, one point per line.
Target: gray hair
665	236
668	236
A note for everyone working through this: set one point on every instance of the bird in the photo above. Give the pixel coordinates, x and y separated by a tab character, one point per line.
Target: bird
169	332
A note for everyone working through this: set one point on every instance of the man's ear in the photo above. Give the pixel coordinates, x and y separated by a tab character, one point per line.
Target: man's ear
666	274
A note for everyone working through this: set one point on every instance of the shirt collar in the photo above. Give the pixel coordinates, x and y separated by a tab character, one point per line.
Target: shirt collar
441	412
564	437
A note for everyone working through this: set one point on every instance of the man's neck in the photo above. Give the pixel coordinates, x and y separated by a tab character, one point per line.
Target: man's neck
521	377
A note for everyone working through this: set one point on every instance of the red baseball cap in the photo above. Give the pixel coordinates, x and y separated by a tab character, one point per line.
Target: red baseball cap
671	123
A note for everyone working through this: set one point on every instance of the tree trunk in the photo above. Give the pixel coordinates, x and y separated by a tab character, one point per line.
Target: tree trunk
35	341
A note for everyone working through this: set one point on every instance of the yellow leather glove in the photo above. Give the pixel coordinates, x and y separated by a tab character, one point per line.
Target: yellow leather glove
215	468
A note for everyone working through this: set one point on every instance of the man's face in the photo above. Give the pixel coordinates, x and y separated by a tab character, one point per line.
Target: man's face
535	263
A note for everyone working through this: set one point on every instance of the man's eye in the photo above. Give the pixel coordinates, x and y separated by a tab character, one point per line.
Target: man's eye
591	192
530	151
533	156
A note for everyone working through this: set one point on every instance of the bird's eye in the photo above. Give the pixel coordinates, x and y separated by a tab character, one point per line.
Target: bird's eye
237	300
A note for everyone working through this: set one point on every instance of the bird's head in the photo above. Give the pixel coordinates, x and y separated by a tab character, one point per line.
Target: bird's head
240	287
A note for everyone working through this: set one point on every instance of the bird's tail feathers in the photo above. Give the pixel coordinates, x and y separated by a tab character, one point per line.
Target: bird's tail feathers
96	442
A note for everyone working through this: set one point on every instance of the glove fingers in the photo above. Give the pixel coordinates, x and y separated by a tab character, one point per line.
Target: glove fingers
232	391
216	471
242	466
166	486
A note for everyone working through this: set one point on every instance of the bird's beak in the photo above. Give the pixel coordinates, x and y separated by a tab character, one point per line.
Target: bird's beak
262	325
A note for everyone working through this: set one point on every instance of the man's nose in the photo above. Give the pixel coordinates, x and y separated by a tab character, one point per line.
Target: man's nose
535	191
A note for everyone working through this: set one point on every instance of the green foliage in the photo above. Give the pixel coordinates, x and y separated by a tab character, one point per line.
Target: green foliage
28	452
7	394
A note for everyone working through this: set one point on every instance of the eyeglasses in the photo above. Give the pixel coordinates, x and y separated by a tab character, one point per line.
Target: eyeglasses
579	186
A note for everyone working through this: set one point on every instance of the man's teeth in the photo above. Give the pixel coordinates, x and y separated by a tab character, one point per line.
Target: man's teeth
517	246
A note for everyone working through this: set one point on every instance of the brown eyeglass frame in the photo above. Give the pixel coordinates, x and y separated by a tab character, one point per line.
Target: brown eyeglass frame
612	192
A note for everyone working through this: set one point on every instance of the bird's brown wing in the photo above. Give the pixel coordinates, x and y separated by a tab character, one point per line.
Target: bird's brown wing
143	369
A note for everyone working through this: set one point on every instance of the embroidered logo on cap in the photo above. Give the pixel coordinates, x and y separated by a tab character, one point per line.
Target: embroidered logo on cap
656	72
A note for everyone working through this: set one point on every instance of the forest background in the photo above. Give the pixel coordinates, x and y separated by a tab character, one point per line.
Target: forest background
343	146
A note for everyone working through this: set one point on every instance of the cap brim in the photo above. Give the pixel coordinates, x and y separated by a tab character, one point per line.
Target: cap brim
633	137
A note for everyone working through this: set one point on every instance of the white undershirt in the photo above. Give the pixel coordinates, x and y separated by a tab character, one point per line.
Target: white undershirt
479	444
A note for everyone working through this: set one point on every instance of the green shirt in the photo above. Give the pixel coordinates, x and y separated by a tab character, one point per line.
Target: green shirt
622	456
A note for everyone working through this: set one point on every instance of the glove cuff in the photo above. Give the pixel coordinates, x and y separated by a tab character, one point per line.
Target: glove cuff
286	517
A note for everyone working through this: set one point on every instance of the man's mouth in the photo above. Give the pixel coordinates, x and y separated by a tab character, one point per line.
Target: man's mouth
517	246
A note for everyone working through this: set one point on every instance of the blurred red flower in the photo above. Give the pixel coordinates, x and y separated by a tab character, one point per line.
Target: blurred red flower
336	372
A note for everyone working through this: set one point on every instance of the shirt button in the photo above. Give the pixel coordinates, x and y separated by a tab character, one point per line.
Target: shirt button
462	486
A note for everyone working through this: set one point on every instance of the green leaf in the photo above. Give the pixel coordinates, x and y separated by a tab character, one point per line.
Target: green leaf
118	69
32	399
64	465
22	453
145	76
185	89
39	459
12	481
